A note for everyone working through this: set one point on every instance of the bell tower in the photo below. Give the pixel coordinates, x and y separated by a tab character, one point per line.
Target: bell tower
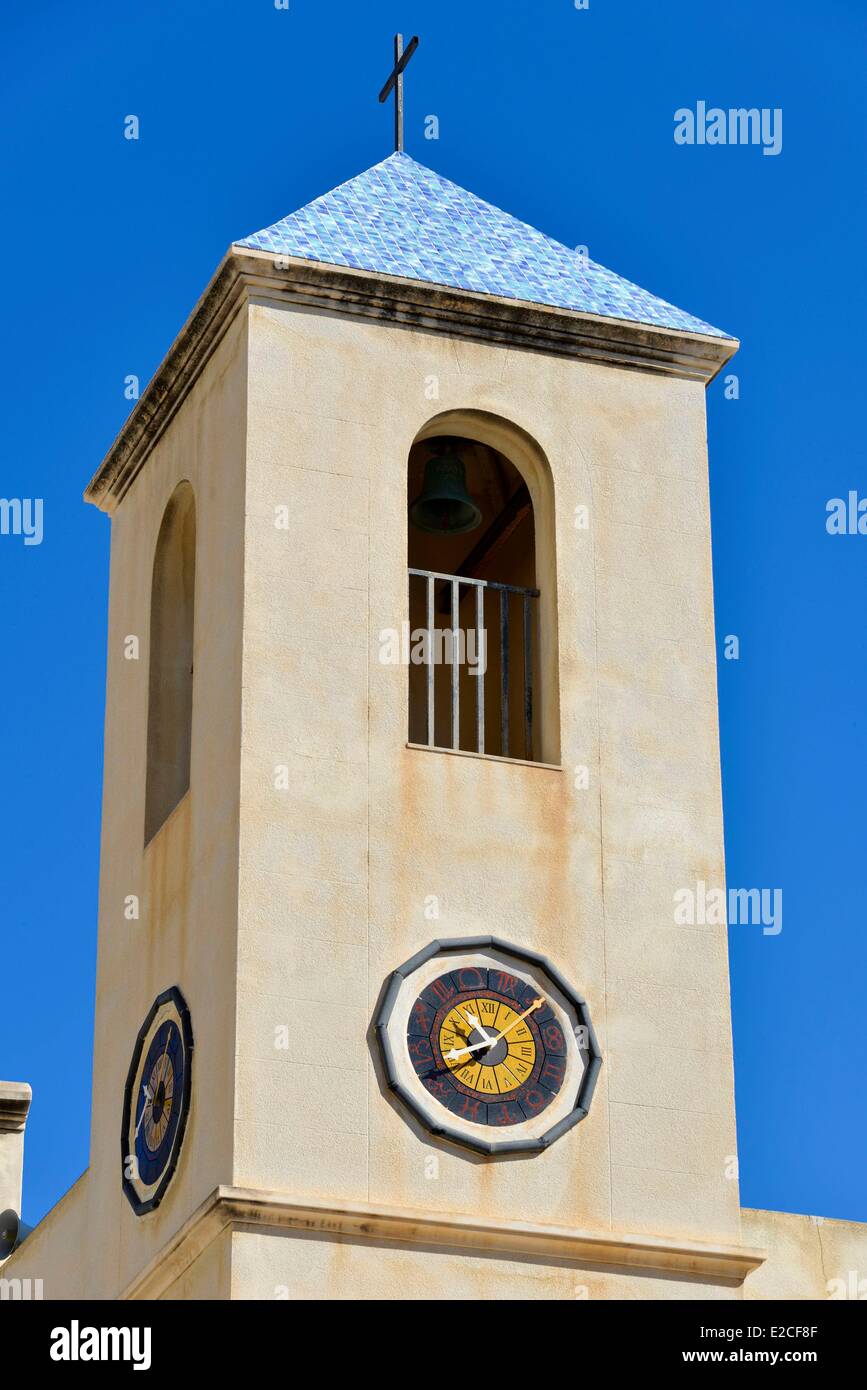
411	740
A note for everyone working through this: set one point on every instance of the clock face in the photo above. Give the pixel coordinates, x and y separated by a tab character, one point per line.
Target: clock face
156	1101
488	1045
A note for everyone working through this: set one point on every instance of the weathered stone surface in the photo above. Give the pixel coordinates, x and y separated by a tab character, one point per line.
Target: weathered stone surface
290	404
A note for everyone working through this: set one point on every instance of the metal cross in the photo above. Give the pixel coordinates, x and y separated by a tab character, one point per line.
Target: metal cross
395	83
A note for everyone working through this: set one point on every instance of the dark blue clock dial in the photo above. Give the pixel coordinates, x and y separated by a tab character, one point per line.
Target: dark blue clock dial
156	1101
159	1101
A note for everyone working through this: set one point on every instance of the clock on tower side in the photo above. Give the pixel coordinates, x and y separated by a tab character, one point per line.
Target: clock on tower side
363	838
168	901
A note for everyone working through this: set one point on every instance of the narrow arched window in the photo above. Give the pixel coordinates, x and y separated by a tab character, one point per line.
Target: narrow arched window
170	688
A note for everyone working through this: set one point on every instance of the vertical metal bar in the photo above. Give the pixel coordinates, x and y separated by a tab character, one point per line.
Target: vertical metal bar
398	95
456	670
504	671
430	665
481	657
528	679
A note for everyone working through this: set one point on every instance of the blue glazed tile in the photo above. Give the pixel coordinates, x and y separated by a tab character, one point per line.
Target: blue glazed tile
402	219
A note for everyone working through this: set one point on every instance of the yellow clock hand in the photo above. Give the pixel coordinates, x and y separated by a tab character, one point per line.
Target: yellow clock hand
536	1004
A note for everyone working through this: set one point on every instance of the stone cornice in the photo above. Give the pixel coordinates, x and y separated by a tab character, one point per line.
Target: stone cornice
15	1097
246	274
168	387
277	1211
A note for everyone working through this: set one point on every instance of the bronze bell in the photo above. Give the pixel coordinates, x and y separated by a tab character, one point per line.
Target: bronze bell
444	504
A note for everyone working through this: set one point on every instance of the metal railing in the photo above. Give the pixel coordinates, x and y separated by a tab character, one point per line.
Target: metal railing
450	592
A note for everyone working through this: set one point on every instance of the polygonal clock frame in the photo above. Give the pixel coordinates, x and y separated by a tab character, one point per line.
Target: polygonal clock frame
172	1005
524	987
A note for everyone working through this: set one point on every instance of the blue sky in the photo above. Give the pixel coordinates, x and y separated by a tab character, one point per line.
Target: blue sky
564	118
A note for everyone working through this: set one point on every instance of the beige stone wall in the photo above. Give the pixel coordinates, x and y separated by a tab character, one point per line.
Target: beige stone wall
808	1257
92	1244
55	1252
209	1277
275	909
309	1268
334	873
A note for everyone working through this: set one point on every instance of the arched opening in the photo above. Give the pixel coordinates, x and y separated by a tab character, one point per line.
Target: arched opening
482	650
170	687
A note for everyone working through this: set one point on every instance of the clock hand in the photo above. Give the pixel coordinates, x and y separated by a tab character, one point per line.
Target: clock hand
477	1026
457	1052
148	1096
474	1047
536	1004
147	1090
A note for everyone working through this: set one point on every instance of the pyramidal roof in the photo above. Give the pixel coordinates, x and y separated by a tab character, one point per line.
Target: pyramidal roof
400	218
